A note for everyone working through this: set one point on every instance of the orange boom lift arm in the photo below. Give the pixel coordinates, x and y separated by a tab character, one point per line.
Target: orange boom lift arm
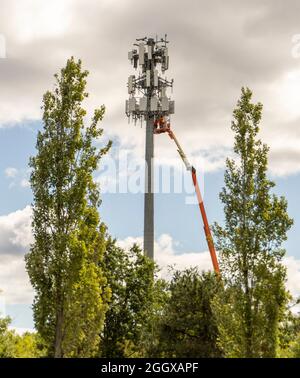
162	126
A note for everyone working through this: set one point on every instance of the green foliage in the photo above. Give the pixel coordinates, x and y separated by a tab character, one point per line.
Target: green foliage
290	334
130	278
69	240
256	223
29	345
186	325
150	339
293	349
13	345
7	347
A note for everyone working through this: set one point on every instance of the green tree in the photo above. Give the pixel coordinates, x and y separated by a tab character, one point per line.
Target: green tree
7	345
130	278
290	333
292	350
151	344
186	325
69	239
249	243
29	345
13	345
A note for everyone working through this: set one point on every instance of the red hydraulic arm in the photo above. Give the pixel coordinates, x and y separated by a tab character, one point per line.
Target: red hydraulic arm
160	126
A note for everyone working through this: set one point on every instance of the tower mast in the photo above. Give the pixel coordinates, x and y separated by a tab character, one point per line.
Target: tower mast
149	55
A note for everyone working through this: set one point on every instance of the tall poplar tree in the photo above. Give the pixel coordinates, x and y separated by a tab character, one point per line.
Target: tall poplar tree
249	243
64	263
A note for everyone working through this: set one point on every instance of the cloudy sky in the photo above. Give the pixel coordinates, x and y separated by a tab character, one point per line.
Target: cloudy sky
215	48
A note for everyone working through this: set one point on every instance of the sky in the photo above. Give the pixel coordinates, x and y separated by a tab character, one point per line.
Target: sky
215	48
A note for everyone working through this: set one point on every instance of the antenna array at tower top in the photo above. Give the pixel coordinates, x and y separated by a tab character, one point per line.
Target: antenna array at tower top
148	90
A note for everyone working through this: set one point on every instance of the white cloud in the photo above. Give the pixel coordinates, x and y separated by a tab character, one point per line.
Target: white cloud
213	54
166	256
14	281
15	231
17	177
2	305
21	331
15	238
25	183
293	272
11	172
35	19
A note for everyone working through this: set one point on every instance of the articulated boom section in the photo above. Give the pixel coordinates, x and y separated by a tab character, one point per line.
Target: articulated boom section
161	125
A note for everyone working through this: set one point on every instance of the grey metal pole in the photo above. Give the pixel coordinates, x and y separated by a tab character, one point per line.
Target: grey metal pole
149	55
149	195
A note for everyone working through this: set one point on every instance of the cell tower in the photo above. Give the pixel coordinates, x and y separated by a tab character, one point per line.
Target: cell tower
148	101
